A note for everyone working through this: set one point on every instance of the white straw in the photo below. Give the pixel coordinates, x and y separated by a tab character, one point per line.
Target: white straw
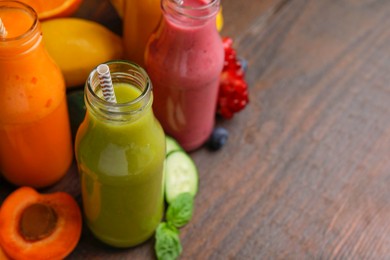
3	31
106	83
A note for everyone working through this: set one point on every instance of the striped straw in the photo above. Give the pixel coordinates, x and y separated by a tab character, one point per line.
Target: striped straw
106	83
3	31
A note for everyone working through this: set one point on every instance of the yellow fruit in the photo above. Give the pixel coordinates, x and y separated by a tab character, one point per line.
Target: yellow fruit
219	19
79	45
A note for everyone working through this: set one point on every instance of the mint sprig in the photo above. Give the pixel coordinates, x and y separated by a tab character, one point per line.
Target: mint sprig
168	246
179	212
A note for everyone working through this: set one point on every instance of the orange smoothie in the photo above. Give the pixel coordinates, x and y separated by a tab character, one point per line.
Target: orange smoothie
140	20
35	137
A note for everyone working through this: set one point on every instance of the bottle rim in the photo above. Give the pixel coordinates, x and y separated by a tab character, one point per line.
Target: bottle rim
24	7
134	73
194	12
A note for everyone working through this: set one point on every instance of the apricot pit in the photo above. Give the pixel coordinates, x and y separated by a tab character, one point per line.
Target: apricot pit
37	222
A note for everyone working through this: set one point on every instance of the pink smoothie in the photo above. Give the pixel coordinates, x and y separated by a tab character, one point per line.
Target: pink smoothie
184	59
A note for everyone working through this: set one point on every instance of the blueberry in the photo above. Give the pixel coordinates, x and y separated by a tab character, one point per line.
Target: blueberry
244	63
218	138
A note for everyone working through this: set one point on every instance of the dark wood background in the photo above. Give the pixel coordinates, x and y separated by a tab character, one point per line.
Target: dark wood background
306	171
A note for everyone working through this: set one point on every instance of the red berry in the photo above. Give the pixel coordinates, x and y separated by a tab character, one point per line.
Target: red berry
227	42
233	90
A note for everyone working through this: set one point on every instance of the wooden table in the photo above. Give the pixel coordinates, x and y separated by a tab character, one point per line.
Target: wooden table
306	171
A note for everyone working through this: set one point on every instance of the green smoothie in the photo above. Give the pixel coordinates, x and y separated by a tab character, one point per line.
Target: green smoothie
121	165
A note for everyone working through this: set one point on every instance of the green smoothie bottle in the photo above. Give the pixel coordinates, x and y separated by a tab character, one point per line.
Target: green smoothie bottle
120	150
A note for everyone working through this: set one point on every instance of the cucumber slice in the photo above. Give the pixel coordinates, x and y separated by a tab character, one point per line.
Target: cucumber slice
181	175
172	145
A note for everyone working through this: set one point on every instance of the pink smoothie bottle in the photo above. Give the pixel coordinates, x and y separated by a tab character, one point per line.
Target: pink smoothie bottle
184	59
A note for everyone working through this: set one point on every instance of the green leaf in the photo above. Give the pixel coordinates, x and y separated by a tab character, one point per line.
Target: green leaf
180	210
168	246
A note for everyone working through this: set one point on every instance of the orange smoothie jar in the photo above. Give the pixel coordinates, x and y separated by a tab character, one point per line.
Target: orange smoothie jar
35	137
140	18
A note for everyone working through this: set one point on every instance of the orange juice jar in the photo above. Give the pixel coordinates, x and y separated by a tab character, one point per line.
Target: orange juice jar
140	18
35	138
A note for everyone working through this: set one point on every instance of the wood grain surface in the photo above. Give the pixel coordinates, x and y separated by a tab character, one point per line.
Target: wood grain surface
306	171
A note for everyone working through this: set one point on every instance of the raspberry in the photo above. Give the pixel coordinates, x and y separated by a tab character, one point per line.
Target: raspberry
233	89
227	42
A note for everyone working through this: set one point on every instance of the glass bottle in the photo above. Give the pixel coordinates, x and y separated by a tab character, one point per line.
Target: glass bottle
140	18
120	151
35	137
184	59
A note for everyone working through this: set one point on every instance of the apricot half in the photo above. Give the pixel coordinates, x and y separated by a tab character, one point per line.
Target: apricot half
39	226
3	256
53	8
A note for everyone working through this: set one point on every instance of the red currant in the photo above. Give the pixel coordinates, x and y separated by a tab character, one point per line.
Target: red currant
233	90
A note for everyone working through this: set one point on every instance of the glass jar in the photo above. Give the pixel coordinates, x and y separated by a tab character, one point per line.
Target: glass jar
140	18
120	151
184	59
35	137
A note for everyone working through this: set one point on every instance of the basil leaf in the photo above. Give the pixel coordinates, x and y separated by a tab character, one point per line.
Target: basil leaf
180	210
167	246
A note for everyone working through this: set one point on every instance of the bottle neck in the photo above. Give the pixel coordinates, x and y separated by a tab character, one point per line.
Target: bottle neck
23	29
129	75
190	12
